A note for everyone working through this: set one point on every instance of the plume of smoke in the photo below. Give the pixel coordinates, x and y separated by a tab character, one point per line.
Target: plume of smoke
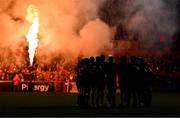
153	17
66	27
74	27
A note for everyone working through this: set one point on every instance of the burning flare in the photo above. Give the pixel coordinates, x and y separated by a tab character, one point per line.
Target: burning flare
32	35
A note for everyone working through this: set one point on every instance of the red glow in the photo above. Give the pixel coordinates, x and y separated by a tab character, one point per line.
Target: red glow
162	39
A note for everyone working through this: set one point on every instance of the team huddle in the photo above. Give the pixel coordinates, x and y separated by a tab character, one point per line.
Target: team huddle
97	82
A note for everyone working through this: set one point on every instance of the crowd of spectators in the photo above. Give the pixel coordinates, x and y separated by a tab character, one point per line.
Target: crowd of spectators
45	72
167	71
163	67
166	68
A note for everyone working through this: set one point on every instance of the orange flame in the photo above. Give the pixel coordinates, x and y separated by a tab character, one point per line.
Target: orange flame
32	35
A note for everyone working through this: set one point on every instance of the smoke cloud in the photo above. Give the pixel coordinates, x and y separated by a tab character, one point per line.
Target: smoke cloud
156	18
150	17
70	28
78	27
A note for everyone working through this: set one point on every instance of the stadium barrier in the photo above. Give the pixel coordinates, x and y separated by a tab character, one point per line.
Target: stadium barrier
40	86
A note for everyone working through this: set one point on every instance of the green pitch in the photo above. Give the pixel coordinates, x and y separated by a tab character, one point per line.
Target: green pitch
58	104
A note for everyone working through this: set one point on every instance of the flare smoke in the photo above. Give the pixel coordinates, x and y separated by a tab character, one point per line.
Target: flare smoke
76	27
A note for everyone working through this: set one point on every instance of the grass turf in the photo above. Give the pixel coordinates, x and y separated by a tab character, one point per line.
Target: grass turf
58	104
